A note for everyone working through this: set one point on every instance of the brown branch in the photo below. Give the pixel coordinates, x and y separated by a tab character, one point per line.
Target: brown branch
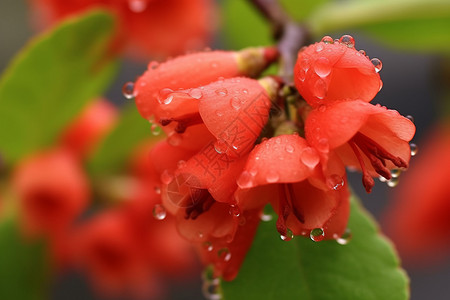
289	35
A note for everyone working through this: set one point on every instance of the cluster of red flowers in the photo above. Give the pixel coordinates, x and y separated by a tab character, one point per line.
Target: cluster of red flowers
144	27
228	154
121	248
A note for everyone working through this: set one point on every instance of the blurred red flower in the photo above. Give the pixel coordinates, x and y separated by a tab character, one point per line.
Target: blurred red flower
145	27
418	221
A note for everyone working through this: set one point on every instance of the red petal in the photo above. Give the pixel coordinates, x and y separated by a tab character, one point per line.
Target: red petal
235	110
325	73
277	160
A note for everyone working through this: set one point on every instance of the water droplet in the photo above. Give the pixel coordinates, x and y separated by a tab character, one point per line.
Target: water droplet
156	130
327	39
317	234
153	65
301	74
166	177
322	67
137	6
336	41
165	96
411	118
362	52
305	63
195	93
266	217
234	211
310	157
235	103
377	64
208	246
222	92
382	179
181	164
220	146
414	149
157	190
219	113
323	146
289	149
224	254
395	173
174	139
128	90
211	288
322	108
245	91
347	40
335	182
319	47
393	182
320	88
272	176
345	238
159	212
289	235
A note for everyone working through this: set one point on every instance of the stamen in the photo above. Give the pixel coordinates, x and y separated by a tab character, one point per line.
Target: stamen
367	180
202	203
183	122
290	195
287	195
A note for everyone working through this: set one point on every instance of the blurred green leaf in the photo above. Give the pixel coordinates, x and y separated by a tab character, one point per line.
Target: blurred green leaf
243	26
300	10
116	148
406	24
366	268
23	273
51	79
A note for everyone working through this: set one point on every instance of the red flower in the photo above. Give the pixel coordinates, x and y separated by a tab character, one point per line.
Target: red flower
364	136
277	171
335	71
146	27
85	132
53	190
419	220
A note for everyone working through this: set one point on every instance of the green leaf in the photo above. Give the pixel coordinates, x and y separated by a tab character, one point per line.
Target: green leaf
300	10
23	273
243	26
51	79
406	24
116	148
366	268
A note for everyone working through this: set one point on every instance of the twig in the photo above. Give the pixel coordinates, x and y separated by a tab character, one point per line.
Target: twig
289	35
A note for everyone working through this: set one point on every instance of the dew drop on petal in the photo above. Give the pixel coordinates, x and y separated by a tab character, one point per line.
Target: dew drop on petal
305	63
166	177
302	75
362	52
234	211
220	146
393	182
411	118
347	40
319	47
323	146
155	129
414	149
219	113
327	39
317	234
289	235
309	157
245	91
335	182
208	246
195	93
289	149
272	176
377	64
159	212
174	139
222	92
158	190
235	102
224	254
128	90
395	173
265	217
336	41
164	96
345	238
322	67
137	6
382	179
320	88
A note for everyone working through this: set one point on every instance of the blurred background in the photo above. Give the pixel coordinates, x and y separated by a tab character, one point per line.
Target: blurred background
411	86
